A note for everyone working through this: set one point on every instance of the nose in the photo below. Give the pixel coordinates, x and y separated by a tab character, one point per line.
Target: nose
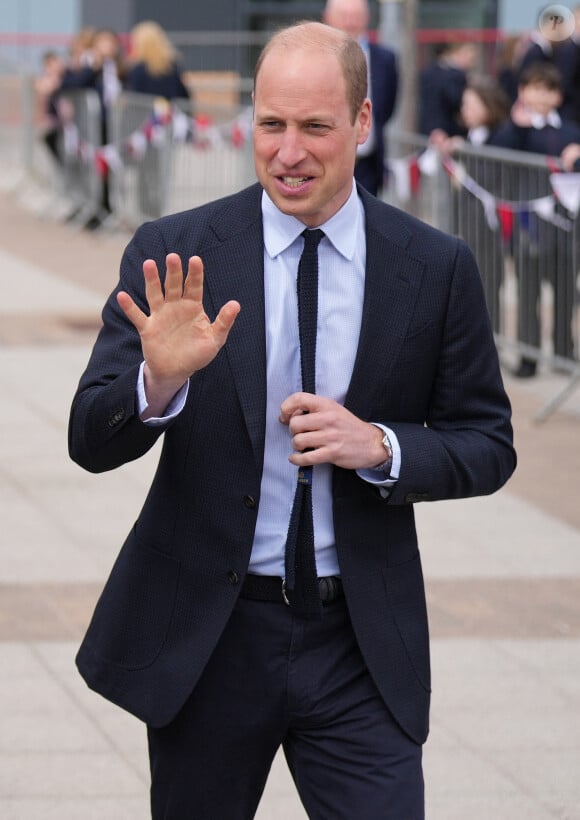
291	150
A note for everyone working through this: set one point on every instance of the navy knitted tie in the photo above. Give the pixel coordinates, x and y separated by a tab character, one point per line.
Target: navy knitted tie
301	578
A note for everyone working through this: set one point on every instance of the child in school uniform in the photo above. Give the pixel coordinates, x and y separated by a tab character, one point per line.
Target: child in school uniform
541	252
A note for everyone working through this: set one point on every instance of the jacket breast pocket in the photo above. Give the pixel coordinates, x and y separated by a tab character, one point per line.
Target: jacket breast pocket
132	617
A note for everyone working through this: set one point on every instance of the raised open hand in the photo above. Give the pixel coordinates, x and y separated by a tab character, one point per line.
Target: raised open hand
177	336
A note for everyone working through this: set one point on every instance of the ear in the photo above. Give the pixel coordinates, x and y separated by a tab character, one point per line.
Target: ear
364	122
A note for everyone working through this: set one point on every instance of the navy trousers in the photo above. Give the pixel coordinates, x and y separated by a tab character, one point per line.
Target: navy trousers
278	680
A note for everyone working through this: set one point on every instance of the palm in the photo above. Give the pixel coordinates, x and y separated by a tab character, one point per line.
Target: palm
177	337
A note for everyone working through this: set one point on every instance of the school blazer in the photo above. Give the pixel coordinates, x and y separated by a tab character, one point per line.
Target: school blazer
426	365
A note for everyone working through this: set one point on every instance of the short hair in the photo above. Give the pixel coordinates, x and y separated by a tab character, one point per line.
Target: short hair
493	97
542	73
320	37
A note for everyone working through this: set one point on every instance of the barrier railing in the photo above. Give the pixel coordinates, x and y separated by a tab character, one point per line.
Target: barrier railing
83	181
168	158
519	214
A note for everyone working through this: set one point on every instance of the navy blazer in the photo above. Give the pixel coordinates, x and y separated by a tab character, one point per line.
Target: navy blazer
441	88
169	84
548	140
426	365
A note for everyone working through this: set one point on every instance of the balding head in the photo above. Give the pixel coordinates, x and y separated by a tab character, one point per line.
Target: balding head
318	37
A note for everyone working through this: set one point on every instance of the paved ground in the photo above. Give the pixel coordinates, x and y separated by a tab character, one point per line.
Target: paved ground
502	574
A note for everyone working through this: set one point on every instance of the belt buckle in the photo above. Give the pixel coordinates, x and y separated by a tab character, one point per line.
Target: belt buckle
284	596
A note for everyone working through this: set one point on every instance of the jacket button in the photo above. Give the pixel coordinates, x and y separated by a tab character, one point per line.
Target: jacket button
116	418
250	501
233	577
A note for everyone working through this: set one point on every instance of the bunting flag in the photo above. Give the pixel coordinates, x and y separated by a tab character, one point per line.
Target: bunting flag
524	219
109	157
429	161
166	121
506	220
402	178
137	145
544	207
567	190
414	176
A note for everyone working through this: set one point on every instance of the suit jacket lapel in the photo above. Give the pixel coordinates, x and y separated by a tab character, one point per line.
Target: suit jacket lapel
234	269
392	280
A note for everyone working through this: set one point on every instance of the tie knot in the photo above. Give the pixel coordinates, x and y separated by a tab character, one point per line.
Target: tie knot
312	238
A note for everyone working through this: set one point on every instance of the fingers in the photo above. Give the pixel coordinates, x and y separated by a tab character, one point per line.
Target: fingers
174	290
153	290
173	277
324	431
173	286
131	311
193	288
298	404
303	413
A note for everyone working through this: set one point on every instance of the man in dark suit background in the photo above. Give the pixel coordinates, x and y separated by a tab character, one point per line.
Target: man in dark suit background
353	17
193	632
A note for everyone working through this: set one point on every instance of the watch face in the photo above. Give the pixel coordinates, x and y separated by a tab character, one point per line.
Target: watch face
387	446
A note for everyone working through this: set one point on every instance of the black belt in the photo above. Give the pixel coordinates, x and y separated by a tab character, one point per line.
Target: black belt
272	588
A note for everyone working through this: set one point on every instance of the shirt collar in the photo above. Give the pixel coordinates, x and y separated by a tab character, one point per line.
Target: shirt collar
281	230
552	118
478	135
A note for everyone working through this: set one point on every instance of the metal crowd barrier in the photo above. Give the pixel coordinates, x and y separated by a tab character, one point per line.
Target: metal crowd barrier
166	158
523	230
83	180
153	158
140	160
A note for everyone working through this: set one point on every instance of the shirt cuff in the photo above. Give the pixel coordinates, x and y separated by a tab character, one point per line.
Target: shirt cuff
378	477
173	409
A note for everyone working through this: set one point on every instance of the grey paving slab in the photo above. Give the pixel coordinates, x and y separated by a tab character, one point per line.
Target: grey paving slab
74	774
551	663
495	536
501	721
67	808
25	290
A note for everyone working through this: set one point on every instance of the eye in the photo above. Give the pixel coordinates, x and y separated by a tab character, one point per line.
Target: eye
270	124
317	126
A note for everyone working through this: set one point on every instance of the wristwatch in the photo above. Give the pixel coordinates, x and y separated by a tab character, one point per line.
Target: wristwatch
385	466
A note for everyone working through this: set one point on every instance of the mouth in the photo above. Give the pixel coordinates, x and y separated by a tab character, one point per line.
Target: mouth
294	182
292	185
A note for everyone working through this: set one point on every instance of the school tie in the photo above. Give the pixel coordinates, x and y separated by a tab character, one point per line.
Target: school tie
301	580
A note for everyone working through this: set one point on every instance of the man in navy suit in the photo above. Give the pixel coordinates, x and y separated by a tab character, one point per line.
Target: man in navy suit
353	17
194	632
